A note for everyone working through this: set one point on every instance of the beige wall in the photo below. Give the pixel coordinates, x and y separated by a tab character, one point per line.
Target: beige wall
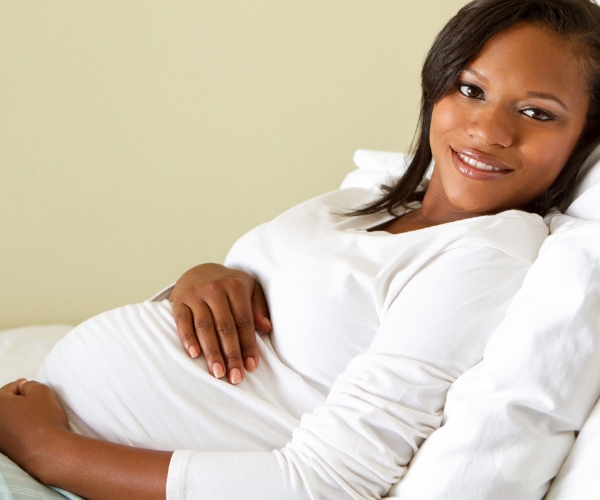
139	138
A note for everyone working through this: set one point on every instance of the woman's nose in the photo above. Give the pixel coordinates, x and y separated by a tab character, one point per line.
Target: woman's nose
492	126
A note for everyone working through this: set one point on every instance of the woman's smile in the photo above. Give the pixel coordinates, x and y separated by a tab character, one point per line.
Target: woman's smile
504	131
478	166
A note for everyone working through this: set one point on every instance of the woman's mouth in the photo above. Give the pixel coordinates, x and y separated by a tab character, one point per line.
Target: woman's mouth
477	169
479	165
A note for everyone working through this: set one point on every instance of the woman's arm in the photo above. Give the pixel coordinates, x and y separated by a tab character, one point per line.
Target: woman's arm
34	433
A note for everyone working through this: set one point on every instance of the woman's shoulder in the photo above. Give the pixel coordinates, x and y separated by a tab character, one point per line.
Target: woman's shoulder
514	232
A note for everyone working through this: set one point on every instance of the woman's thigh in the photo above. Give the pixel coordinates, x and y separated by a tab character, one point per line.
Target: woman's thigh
123	376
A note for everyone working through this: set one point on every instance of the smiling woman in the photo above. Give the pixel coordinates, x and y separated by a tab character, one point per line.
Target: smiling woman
504	132
369	303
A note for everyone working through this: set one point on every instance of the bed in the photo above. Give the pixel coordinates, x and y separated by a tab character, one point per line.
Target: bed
22	350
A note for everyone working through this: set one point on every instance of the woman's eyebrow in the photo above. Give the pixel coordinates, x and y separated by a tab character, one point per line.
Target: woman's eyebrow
550	97
530	93
483	78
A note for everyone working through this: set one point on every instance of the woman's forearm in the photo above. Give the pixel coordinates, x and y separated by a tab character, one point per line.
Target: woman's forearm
34	433
101	470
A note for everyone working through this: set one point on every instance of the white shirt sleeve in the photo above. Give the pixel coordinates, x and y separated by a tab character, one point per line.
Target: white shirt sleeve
379	411
509	422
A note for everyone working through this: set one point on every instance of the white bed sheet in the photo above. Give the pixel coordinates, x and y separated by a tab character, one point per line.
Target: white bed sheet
22	350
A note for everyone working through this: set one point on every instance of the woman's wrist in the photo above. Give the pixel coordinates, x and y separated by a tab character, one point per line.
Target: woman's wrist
49	455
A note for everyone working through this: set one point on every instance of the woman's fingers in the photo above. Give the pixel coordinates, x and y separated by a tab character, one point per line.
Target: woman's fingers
216	310
196	329
260	310
31	387
184	321
242	310
13	387
231	322
207	329
224	328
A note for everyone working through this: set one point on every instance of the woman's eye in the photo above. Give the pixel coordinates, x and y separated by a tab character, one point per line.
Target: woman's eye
538	114
471	91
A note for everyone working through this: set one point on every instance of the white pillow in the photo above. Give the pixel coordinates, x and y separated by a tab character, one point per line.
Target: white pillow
578	478
586	203
375	168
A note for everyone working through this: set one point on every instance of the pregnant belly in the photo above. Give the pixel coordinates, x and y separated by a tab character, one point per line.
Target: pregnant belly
124	377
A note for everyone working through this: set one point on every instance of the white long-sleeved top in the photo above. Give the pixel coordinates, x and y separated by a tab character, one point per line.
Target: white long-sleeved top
370	330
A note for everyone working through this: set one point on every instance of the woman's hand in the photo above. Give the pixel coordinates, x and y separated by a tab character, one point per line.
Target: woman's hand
30	419
217	311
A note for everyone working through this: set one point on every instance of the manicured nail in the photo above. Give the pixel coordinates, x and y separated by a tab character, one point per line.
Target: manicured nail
193	351
217	370
235	376
250	364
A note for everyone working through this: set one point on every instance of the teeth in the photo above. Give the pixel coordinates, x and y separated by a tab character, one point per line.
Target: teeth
478	165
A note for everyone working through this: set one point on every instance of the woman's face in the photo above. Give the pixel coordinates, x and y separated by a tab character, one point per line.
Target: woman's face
502	135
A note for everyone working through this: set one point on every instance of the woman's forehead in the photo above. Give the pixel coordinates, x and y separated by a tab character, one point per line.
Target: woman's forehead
535	58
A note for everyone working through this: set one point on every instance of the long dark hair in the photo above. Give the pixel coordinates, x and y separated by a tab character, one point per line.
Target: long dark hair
459	42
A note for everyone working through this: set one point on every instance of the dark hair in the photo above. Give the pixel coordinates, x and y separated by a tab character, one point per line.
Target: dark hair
459	42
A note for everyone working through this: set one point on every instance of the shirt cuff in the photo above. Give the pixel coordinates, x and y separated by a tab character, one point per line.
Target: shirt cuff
176	474
163	294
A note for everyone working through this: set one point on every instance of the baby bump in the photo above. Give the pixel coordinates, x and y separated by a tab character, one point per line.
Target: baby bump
123	376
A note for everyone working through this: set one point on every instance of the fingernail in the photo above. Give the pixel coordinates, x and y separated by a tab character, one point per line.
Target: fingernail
269	324
193	351
235	376
250	364
217	370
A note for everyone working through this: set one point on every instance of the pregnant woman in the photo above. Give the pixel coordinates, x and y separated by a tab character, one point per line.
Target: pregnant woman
378	299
